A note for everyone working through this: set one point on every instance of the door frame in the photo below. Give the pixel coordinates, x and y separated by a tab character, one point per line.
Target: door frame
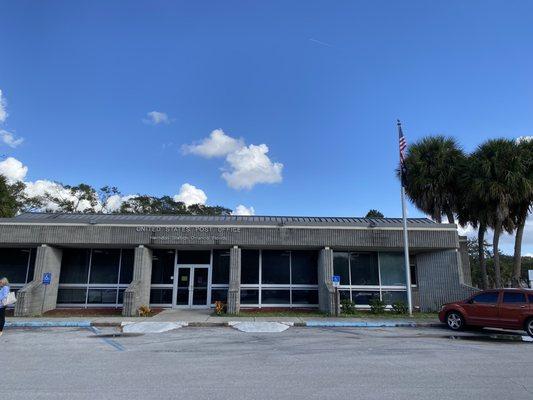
190	288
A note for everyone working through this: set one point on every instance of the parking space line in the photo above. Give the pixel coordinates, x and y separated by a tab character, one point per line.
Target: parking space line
117	346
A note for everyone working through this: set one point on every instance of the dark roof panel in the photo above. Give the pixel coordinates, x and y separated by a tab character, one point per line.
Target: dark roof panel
132	219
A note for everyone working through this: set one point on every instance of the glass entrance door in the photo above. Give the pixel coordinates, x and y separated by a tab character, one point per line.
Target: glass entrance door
192	287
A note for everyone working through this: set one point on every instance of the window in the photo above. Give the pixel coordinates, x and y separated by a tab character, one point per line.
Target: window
269	296
126	267
392	268
414	273
304	267
362	298
486	298
163	266
17	265
104	266
275	267
220	273
304	297
364	268
341	267
75	266
94	277
530	298
250	267
160	296
368	275
514	297
249	296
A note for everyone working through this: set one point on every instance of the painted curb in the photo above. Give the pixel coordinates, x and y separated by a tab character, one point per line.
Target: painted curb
49	324
365	324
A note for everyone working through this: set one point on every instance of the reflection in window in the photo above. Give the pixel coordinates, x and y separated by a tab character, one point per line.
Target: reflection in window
304	267
364	268
163	262
341	266
17	265
220	273
250	267
97	276
392	267
275	267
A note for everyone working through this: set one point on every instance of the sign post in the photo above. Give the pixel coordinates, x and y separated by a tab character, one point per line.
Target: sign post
47	279
336	281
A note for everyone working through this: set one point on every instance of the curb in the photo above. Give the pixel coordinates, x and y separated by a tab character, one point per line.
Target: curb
49	324
363	324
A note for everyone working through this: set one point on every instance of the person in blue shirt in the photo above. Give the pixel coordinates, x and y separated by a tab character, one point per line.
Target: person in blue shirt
4	291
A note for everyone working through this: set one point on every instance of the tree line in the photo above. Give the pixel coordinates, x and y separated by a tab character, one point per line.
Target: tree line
84	198
489	188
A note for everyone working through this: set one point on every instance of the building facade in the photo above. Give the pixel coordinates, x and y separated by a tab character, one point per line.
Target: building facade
128	261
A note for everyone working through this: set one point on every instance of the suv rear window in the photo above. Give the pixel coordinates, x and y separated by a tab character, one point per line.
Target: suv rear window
514	297
530	297
489	297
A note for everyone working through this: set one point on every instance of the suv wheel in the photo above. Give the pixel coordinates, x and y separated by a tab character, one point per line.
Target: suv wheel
529	327
455	321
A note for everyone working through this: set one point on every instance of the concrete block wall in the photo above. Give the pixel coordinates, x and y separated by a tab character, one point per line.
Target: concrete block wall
35	298
326	292
138	292
440	279
234	291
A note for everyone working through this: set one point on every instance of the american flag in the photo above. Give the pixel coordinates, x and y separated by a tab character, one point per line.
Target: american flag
403	146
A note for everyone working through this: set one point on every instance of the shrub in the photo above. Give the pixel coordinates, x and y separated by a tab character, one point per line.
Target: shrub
347	306
144	311
399	307
220	307
377	306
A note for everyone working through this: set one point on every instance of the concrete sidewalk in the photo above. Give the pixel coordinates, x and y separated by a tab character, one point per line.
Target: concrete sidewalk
204	318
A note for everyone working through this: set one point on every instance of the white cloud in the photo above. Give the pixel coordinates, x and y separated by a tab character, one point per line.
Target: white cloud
246	166
190	194
250	166
156	118
42	188
10	140
243	210
13	169
3	112
521	139
114	202
218	144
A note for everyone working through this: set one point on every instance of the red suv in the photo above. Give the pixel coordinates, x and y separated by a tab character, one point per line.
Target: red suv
498	308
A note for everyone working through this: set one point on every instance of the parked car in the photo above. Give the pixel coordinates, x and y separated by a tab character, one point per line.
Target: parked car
497	308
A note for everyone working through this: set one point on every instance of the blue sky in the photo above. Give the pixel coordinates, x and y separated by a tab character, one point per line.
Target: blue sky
320	83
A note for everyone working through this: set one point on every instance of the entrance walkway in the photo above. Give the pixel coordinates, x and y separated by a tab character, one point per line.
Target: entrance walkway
183	314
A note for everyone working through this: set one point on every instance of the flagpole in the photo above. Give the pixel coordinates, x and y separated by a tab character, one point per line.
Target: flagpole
405	235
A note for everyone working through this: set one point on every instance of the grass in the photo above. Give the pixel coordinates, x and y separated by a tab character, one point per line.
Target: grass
316	313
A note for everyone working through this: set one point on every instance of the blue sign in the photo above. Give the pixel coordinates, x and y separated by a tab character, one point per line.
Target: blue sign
336	280
47	278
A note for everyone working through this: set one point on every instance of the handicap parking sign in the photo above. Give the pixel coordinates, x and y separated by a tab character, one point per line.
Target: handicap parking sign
336	280
47	278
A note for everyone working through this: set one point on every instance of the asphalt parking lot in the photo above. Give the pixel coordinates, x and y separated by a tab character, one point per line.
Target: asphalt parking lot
300	363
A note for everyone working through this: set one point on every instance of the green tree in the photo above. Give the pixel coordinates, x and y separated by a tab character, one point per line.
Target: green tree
523	202
499	177
374	214
432	169
8	202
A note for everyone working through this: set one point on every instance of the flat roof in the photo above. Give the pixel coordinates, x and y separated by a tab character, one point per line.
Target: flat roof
249	220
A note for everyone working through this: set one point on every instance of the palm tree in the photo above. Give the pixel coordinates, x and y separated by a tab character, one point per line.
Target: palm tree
523	204
432	169
472	211
499	177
